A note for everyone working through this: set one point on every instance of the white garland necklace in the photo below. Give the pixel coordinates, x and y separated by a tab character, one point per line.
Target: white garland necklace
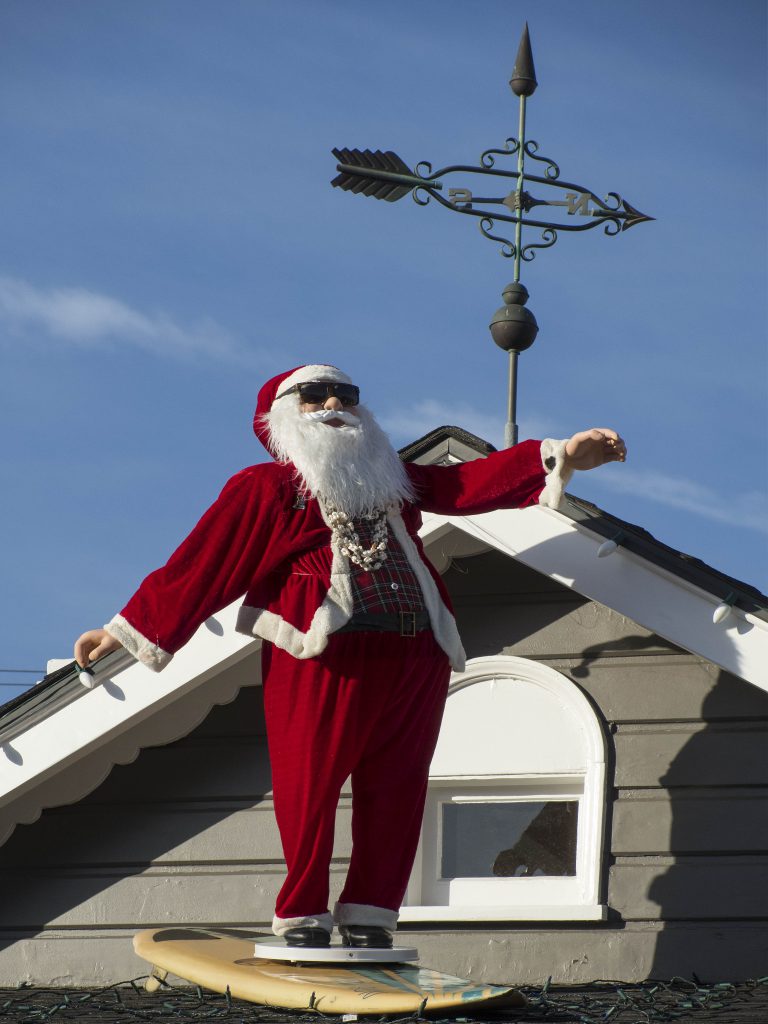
348	539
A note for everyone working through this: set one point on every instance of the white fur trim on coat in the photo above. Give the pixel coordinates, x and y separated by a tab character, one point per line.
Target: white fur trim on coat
553	460
316	371
143	650
443	623
361	913
329	617
280	925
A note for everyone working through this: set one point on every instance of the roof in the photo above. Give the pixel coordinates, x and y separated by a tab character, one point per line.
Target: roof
446	444
686	567
655	1002
60	740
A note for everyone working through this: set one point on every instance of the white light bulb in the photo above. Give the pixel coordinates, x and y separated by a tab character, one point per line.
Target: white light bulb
721	613
606	548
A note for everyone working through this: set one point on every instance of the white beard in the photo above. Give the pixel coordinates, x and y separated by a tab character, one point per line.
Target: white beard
352	467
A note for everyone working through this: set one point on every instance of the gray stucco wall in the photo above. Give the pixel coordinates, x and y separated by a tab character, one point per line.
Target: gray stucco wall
686	866
186	833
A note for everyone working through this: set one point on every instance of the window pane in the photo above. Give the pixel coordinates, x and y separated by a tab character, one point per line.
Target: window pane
509	840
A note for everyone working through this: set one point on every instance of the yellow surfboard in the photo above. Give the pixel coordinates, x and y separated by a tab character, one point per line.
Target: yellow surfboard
221	960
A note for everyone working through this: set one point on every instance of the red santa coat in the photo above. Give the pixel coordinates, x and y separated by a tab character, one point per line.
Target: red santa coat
249	538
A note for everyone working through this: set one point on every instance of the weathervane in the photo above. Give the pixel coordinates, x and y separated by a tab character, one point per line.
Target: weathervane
387	176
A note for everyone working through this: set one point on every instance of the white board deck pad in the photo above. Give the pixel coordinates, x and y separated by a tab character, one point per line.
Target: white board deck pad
221	960
272	948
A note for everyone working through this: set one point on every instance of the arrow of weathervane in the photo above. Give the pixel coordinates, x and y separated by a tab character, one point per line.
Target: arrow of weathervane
381	175
387	176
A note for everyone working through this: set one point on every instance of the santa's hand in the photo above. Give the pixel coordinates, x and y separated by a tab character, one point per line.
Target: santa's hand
94	644
590	448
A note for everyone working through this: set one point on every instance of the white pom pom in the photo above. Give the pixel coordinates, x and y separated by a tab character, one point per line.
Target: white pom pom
87	679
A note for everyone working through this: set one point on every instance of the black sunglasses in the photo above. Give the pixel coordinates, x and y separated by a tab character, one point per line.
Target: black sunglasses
316	392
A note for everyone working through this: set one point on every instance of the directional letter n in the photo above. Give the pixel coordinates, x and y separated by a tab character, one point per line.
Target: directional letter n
577	203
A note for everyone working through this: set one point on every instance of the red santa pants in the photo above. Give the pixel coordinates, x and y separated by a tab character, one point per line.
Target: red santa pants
369	707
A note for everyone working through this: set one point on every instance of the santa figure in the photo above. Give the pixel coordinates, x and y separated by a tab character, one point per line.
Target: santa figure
358	637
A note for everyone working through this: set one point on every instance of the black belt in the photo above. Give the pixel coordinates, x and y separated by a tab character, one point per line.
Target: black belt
404	623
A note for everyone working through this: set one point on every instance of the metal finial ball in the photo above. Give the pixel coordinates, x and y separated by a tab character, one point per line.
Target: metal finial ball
513	327
515	294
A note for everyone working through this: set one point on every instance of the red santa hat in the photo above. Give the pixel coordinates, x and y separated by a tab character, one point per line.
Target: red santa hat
282	382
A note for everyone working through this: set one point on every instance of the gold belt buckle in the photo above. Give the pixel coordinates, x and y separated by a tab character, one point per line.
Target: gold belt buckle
407	623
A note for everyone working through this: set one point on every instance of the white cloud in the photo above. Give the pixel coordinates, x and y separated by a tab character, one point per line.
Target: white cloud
743	510
87	319
419	419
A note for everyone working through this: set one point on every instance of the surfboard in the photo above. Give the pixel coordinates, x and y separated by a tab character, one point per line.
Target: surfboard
225	960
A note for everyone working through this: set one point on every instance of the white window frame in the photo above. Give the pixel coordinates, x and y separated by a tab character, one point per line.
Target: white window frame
571	898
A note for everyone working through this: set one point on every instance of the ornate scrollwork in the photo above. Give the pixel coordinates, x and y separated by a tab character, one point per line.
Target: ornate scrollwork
552	170
550	237
508	249
421	200
612	204
423	169
511	146
606	203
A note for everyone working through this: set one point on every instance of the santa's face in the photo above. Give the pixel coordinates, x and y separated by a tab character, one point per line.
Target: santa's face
328	401
339	451
332	404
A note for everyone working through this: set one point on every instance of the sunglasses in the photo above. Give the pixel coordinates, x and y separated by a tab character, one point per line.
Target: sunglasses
317	392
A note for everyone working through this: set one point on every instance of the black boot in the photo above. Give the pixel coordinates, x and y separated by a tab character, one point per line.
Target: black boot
316	937
366	936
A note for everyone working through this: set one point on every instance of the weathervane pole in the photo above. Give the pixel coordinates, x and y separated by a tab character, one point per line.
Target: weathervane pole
523	84
519	190
510	428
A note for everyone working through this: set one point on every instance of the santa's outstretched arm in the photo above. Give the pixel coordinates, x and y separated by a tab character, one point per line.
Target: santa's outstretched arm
211	568
530	473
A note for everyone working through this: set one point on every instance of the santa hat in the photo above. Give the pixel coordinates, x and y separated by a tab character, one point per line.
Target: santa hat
281	383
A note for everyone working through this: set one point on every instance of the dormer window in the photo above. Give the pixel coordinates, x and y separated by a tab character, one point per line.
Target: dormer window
513	826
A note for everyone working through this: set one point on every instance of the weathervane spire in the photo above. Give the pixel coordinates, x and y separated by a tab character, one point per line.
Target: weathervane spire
523	81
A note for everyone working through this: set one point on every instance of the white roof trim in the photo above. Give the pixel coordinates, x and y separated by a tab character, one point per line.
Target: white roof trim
652	596
63	757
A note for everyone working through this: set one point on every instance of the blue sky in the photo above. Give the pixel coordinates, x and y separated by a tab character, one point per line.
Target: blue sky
170	240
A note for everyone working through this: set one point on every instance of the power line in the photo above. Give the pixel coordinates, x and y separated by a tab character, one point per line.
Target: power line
20	671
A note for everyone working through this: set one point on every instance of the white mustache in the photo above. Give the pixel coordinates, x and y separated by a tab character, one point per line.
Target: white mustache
323	415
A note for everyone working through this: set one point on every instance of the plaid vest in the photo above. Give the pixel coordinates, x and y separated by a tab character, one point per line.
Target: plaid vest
391	588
